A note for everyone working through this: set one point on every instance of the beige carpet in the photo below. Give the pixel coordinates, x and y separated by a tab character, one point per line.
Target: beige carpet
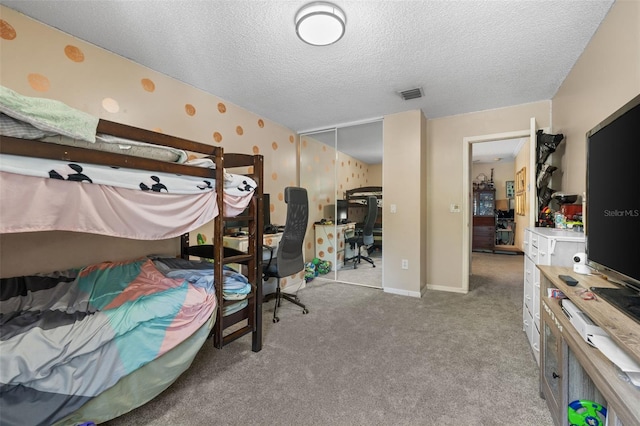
364	273
364	357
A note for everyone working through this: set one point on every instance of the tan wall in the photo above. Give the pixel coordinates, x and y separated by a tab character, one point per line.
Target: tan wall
44	62
423	200
605	77
445	177
502	172
375	175
403	231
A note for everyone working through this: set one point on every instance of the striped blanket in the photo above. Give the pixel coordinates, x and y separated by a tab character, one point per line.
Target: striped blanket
67	337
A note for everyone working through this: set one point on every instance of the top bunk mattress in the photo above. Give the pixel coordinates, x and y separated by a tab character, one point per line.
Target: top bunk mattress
13	127
42	194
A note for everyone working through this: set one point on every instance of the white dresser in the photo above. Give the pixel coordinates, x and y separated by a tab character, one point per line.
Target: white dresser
544	246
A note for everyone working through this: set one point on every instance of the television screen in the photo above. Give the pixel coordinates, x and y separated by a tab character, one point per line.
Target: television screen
613	193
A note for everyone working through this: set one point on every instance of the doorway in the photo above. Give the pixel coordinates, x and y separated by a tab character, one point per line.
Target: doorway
493	171
468	179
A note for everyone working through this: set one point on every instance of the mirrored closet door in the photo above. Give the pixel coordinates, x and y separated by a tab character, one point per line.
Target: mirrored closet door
317	175
341	168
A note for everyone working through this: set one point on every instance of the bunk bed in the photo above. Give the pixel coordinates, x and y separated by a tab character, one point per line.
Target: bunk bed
92	343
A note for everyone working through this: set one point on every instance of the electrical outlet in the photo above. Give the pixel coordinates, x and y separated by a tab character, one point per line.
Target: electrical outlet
405	264
393	208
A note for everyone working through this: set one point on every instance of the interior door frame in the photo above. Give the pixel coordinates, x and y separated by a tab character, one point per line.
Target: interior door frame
467	194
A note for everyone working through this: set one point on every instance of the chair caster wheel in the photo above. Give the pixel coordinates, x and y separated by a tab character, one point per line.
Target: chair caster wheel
276	319
305	311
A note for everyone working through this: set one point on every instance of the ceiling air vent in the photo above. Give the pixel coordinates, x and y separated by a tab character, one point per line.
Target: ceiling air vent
411	93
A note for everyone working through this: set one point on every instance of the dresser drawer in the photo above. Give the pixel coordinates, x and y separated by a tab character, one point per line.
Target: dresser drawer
484	231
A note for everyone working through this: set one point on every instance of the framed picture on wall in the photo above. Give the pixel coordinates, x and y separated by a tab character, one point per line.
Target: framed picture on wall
521	202
521	179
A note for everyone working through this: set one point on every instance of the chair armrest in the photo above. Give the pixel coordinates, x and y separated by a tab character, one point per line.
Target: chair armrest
270	249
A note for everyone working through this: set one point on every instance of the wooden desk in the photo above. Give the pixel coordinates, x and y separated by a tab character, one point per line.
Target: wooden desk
242	242
330	243
571	369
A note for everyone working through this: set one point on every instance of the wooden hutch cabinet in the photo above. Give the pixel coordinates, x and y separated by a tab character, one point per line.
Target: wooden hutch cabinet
484	219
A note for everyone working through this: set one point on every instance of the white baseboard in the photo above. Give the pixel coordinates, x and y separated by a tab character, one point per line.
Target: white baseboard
445	288
402	292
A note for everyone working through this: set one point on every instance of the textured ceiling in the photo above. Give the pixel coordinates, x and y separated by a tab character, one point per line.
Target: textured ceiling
466	55
497	151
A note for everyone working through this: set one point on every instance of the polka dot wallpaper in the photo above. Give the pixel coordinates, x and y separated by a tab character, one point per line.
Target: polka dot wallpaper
38	60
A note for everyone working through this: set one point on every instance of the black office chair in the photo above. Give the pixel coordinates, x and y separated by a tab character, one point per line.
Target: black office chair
363	237
289	258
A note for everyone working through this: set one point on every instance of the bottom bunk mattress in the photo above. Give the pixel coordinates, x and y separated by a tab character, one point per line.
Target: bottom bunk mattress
66	338
142	385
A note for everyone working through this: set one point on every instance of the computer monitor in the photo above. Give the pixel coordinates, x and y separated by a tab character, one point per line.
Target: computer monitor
342	210
232	226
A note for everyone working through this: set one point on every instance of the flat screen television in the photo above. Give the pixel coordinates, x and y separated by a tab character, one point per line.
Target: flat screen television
612	226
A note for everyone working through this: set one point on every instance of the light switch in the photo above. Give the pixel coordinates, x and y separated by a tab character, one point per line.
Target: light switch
454	208
392	207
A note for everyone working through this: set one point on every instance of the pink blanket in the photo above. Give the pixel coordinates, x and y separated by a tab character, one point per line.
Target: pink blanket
31	204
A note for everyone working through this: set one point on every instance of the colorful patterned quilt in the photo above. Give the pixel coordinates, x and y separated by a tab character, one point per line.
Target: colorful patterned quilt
67	337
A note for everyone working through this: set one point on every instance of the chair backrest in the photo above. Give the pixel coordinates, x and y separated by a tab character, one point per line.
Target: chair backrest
290	257
370	220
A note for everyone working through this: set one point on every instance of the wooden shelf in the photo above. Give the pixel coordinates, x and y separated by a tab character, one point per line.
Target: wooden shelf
622	397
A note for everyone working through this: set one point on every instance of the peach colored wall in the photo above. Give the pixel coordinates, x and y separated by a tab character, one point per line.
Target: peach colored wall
605	77
445	177
351	173
522	222
317	174
38	60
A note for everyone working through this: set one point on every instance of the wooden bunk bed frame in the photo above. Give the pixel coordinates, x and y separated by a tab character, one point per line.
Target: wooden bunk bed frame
221	256
363	193
357	197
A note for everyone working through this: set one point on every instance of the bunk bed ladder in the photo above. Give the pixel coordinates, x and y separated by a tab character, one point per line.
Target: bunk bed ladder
229	328
252	260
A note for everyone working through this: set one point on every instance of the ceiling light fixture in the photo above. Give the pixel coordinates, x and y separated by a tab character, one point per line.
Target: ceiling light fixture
320	23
